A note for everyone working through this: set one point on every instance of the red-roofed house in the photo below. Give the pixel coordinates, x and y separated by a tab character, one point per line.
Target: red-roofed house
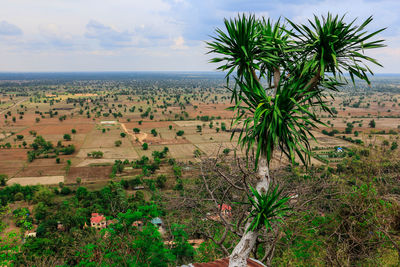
98	221
226	210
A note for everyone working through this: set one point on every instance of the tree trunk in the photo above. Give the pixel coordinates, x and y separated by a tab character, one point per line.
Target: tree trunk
241	252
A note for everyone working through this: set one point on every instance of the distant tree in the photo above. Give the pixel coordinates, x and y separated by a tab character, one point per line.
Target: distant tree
3	179
180	133
95	154
197	153
394	146
136	130
122	135
73	131
372	124
44	194
226	151
145	146
182	250
81	193
160	181
118	143
65	191
67	137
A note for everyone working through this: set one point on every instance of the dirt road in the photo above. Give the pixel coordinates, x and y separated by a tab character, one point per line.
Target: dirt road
140	137
19	102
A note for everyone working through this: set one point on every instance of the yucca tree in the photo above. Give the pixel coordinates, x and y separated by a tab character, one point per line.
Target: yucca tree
299	63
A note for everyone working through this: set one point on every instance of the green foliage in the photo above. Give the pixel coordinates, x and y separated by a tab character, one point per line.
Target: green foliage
226	151
95	154
9	248
44	195
160	181
67	137
118	143
181	249
145	146
177	171
3	179
180	133
267	208
372	124
297	59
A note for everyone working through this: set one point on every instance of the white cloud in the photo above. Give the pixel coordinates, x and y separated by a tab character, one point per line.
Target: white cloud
153	34
9	29
179	44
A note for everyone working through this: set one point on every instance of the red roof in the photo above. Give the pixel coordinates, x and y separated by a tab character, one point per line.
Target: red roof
225	207
225	263
97	218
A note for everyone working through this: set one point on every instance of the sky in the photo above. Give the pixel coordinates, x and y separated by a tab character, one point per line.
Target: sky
156	35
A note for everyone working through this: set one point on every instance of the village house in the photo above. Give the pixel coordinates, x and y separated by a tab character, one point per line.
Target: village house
225	209
98	221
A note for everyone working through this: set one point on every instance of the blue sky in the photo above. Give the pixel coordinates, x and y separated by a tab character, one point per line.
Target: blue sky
155	35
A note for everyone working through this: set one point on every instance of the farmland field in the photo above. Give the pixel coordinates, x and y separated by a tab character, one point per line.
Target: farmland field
189	118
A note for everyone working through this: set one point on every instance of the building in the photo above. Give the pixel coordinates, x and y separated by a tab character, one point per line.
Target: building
159	224
225	209
98	221
137	224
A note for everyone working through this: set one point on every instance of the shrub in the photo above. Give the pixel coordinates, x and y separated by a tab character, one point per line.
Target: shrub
118	143
161	179
67	137
3	179
65	191
145	146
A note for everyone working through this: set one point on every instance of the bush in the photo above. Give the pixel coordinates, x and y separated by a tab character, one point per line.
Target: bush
226	151
67	137
145	146
180	133
19	196
118	143
3	179
95	154
160	181
65	191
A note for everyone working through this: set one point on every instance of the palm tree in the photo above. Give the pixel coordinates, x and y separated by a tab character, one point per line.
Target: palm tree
282	73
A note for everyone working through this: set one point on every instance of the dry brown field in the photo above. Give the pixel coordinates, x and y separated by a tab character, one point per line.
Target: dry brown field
89	136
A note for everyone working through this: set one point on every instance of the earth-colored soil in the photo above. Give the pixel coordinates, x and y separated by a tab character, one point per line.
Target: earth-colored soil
88	174
44	180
